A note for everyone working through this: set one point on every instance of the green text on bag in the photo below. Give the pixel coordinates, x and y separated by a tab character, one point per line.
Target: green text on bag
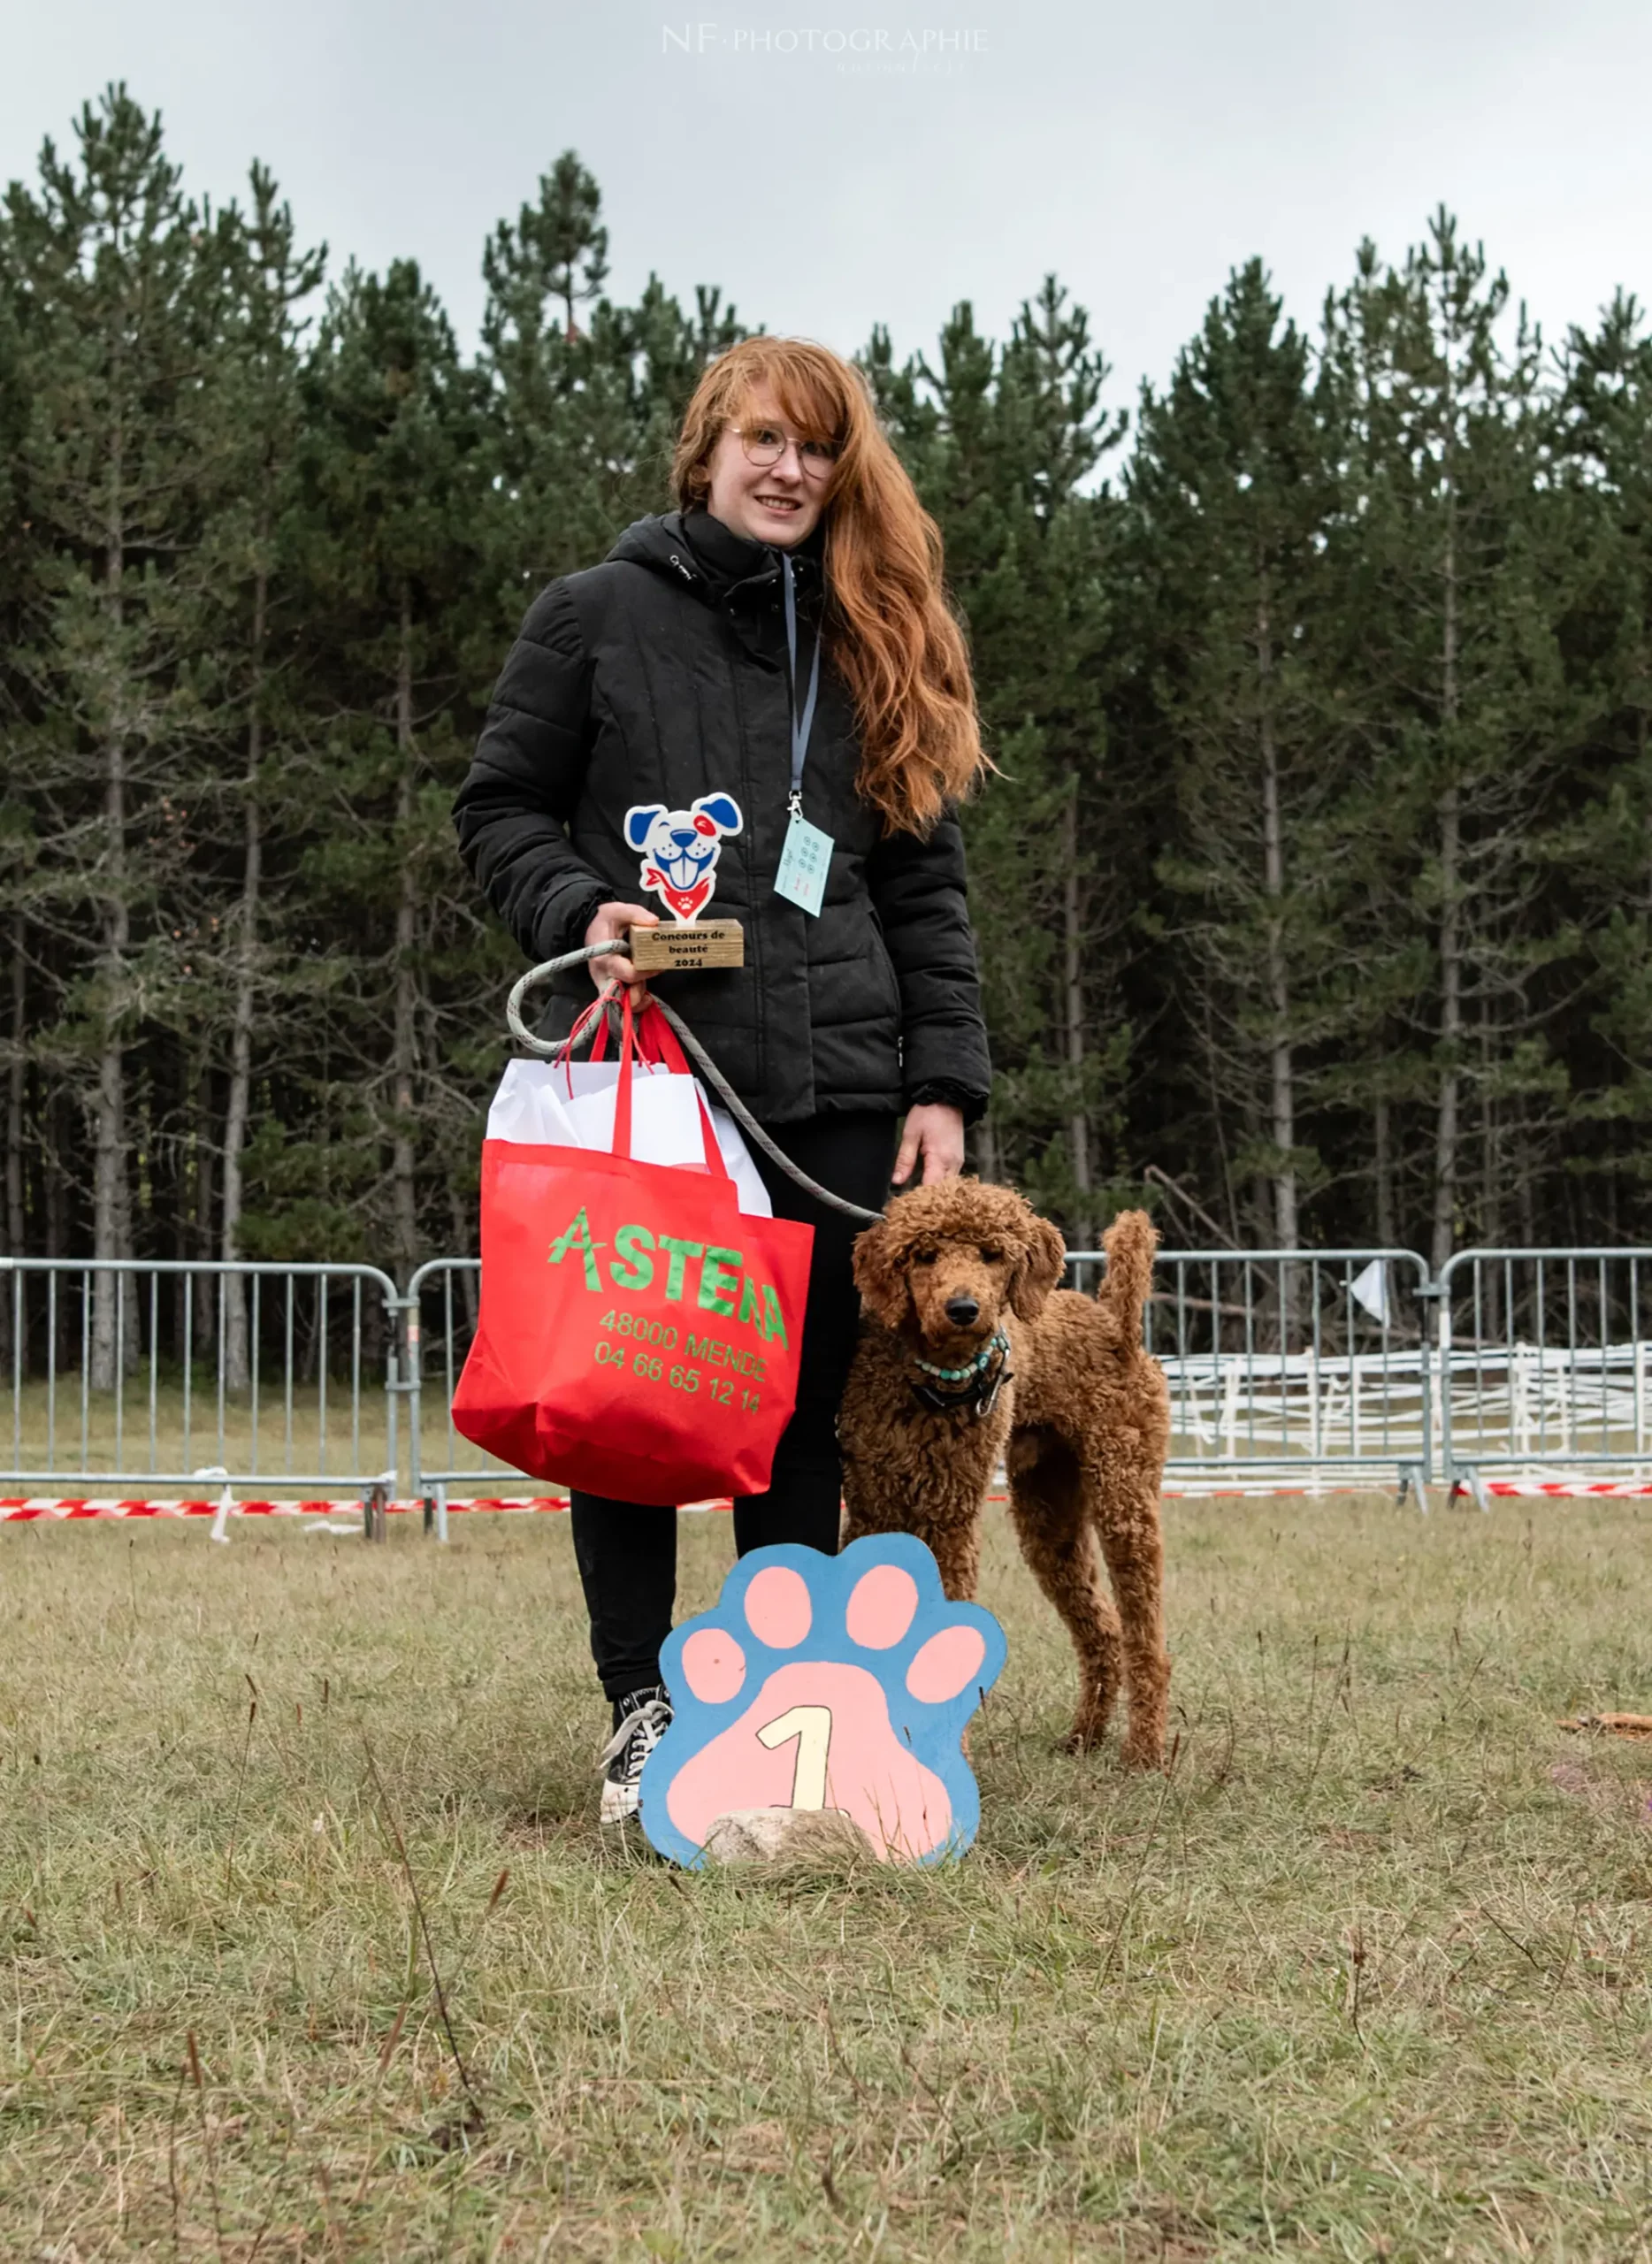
721	1285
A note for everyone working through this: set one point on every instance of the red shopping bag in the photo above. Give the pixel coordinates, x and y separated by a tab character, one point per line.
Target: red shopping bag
638	1333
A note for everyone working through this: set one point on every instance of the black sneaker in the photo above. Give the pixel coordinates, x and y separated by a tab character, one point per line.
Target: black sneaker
640	1720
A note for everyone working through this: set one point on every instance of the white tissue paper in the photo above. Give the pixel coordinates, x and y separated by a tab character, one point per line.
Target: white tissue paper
545	1103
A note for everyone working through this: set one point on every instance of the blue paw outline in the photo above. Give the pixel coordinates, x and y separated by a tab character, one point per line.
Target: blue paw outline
723	1672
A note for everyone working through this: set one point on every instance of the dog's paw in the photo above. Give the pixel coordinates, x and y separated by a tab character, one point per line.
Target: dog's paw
1144	1752
822	1682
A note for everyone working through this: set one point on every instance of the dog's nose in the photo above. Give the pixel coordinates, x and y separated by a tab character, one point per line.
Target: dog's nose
961	1310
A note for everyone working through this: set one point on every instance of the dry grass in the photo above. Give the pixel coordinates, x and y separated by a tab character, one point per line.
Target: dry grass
1365	1976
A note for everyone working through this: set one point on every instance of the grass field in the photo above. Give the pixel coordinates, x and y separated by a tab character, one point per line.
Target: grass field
1365	1975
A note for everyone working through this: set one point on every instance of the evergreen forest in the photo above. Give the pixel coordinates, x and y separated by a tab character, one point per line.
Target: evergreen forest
1314	886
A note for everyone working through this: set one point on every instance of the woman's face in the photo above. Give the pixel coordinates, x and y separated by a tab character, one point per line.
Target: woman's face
781	502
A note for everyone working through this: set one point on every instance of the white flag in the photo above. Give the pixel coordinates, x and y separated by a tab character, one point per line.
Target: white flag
1372	1289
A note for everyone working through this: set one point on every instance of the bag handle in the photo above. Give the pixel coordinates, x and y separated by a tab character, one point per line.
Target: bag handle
636	1048
649	1039
622	1090
658	1042
597	1011
657	1037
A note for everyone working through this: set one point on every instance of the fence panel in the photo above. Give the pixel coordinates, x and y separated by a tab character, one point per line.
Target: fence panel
1288	1368
1346	1388
441	1310
144	1372
1543	1363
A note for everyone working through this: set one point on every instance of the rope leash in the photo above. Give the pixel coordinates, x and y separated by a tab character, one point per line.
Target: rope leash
554	1050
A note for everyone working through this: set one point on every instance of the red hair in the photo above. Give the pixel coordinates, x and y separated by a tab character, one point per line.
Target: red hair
890	634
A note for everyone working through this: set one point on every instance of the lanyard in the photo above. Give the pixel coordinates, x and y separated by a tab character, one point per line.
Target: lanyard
800	725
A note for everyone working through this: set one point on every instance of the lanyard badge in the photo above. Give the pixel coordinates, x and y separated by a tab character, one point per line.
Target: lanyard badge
806	856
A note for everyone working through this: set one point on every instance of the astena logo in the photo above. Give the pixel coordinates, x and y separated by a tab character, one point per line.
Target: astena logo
702	1276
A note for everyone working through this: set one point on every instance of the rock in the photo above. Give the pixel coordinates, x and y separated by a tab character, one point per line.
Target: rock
821	1837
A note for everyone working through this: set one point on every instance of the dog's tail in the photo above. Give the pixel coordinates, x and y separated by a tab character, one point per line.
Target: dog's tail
1129	1243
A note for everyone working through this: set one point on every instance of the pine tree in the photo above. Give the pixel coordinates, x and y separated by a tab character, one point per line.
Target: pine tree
121	283
554	259
393	504
1002	447
1448	637
1230	490
583	419
1603	451
19	844
246	789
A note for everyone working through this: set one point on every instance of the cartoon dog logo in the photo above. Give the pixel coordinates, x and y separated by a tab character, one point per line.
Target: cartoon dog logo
680	849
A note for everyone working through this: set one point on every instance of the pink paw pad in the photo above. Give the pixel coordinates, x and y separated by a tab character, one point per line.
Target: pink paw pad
945	1663
778	1607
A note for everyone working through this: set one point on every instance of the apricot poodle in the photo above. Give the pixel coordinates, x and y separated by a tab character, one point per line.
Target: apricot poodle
969	1355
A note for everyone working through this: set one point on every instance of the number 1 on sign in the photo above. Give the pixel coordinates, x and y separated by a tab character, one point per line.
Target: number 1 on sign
811	1725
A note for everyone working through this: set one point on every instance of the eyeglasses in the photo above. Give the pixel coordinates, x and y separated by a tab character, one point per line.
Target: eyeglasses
766	444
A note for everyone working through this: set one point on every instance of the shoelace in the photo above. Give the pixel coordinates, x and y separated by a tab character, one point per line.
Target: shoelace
649	1721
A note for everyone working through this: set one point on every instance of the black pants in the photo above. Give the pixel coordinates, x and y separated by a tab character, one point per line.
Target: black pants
626	1551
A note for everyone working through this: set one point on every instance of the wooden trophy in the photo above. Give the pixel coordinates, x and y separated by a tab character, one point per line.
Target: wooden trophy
692	943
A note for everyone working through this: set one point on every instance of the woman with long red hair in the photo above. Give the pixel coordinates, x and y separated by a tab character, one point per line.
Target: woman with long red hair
771	662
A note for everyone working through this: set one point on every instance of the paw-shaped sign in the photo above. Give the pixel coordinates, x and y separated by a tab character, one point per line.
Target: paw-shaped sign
826	1682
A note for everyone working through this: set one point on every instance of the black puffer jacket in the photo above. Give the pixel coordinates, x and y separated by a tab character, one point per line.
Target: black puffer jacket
661	677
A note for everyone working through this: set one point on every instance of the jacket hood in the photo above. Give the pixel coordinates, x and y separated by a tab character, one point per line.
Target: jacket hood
699	550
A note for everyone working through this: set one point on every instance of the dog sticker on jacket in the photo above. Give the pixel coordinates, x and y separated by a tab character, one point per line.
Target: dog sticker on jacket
680	849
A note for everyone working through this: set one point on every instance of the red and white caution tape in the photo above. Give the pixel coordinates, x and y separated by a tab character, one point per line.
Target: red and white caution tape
24	1510
1611	1489
1617	1490
21	1509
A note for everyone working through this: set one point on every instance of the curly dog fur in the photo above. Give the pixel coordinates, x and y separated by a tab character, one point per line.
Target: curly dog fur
1082	1427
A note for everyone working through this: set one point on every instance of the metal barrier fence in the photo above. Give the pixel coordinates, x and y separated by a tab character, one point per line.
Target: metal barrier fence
1286	1366
1289	1369
160	1371
1543	1363
443	1301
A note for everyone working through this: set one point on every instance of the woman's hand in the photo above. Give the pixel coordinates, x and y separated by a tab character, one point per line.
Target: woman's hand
610	925
934	1132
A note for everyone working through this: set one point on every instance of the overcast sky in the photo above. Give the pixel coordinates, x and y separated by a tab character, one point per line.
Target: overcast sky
918	154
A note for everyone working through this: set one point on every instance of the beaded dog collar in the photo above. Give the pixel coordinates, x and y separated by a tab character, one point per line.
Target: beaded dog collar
979	1382
996	1343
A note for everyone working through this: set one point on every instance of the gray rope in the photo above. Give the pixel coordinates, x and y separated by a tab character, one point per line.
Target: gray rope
556	1049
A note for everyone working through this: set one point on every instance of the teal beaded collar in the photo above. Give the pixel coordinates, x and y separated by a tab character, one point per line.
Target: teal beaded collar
996	1343
978	1385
